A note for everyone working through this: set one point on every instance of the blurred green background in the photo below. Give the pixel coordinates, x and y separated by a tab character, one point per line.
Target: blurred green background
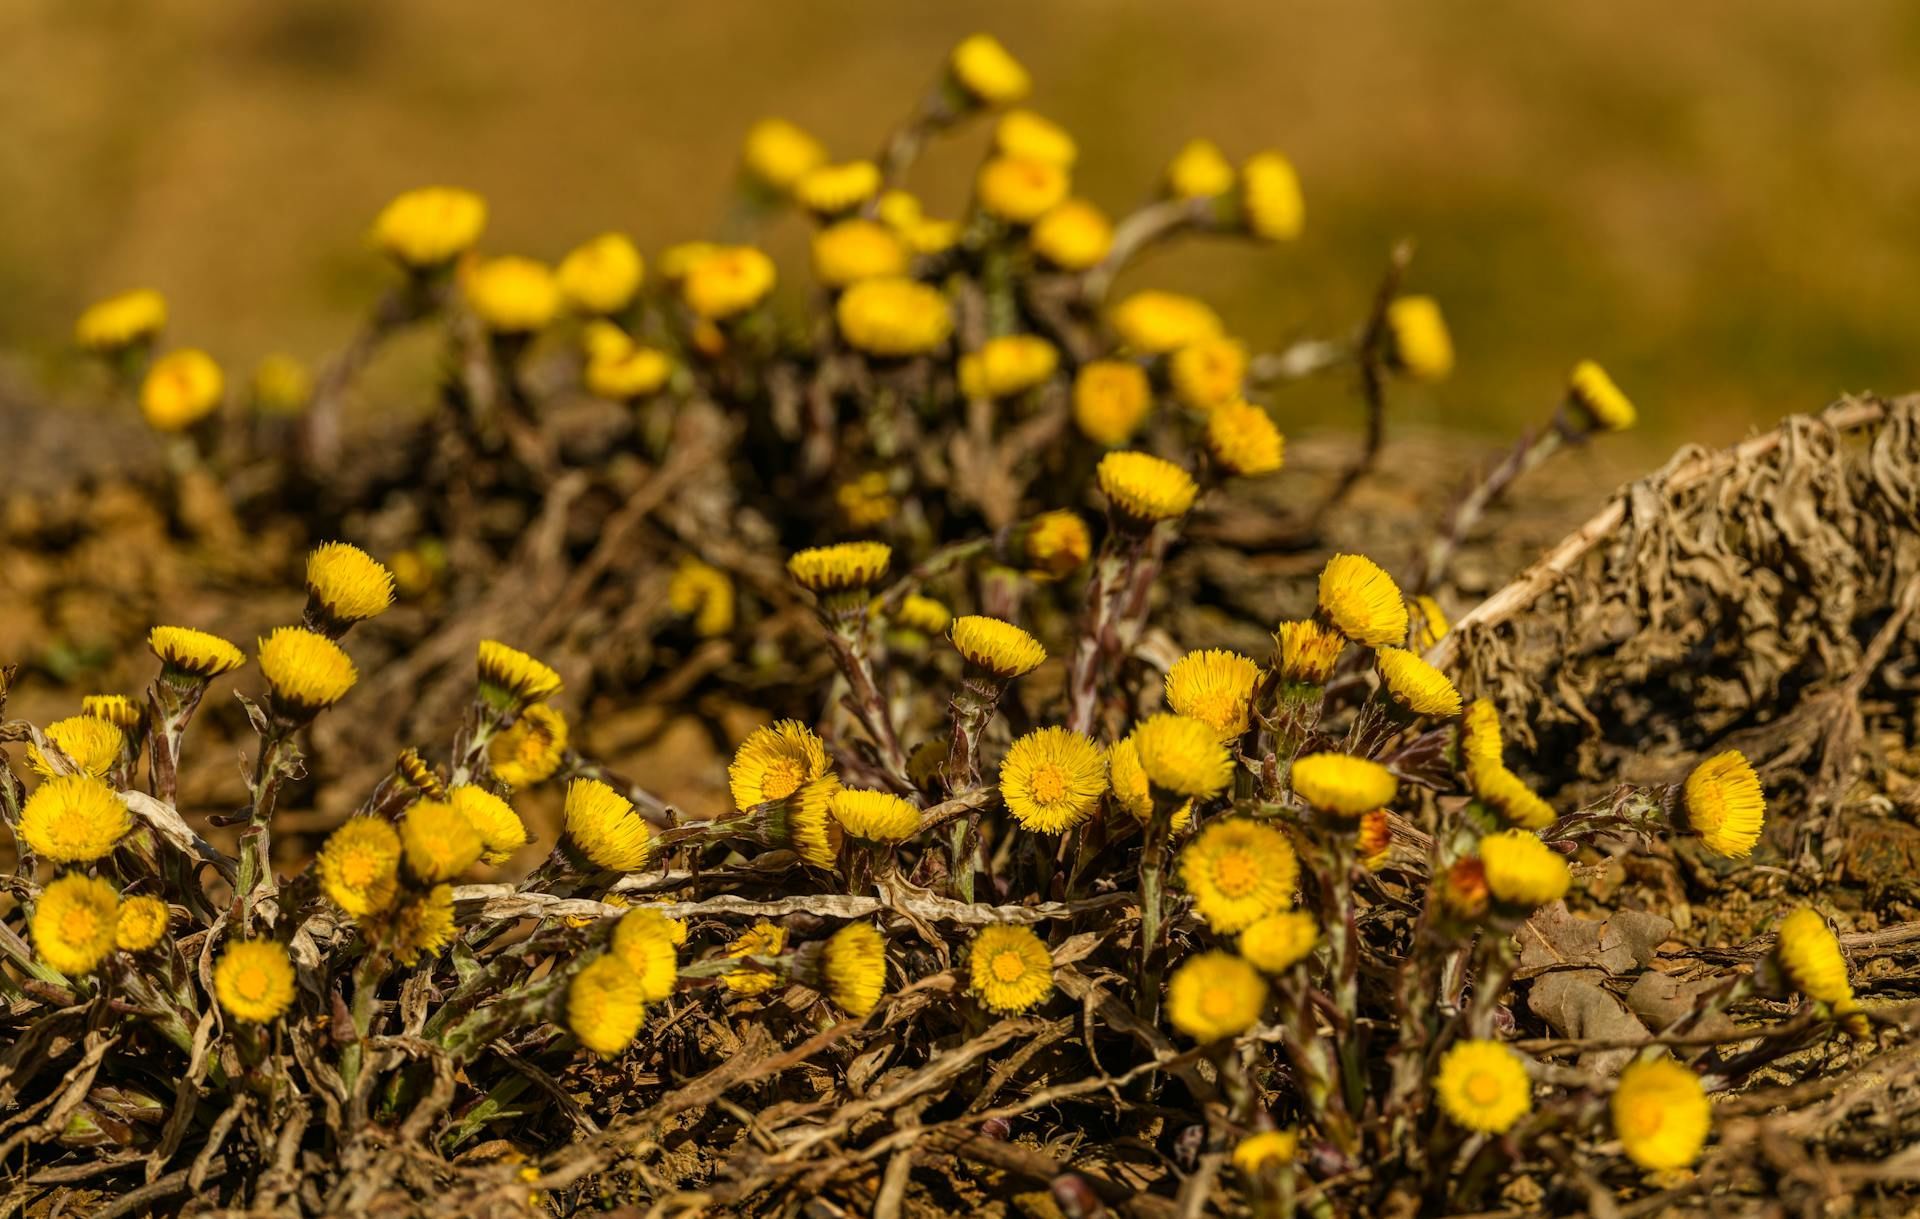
1716	199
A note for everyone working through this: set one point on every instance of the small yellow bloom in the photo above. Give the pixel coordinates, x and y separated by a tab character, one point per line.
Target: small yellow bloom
644	941
830	190
428	227
1111	399
121	321
189	653
848	251
1523	871
359	866
424	926
1306	652
143	921
778	154
605	1006
1417	338
1155	323
74	819
510	677
419	774
1243	440
1429	622
605	827
306	671
874	816
922	614
1415	684
1052	779
439	840
1483	1086
1337	783
181	388
281	385
1661	1114
1239	871
1132	791
1073	236
855	964
1183	755
1001	648
677	261
1374	839
624	376
1256	1152
1810	956
1009	969
774	762
531	749
1508	794
500	828
601	275
893	318
347	582
1277	942
511	295
1480	744
1022	133
1199	171
763	939
704	592
727	282
1215	686
75	922
811	829
1020	190
1362	600
1599	399
117	709
1208	372
1270	200
1214	995
91	744
987	72
842	567
1144	488
1054	544
1725	805
1463	888
254	980
1007	365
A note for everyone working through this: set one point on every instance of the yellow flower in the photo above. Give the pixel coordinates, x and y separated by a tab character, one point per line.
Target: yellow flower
830	190
1000	648
706	593
254	980
1429	622
281	385
1276	943
874	816
531	750
419	774
121	321
1052	779
1337	783
500	828
75	922
605	1006
1008	365
761	940
893	317
1508	794
347	582
1661	1114
1239	871
427	227
143	921
1307	652
1480	744
811	829
1483	1086
423	926
1156	323
1131	790
778	153
1725	805
1417	338
117	709
1270	201
624	376
1463	889
306	671
1111	399
74	819
727	282
359	866
1145	488
511	295
678	260
855	964
643	940
986	72
864	501
1208	372
842	567
1374	839
439	840
196	654
1599	399
89	743
774	762
1009	969
849	251
922	614
1363	601
1255	1152
1215	686
932	236
1523	871
1073	236
1053	544
510	677
1183	755
1022	133
1214	995
1810	956
181	388
1415	684
605	827
1199	171
601	275
1019	190
1243	439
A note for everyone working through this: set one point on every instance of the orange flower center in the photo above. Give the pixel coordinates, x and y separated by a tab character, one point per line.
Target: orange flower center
1236	873
252	983
359	869
1483	1088
784	777
1217	1004
79	925
1645	1119
1049	784
1009	966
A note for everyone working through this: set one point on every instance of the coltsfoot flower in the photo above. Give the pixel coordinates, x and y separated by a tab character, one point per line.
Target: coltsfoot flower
1339	783
1238	871
644	941
1111	399
1209	372
1052	779
1508	794
74	819
926	615
439	841
605	827
1415	684
1661	1114
1009	969
419	774
774	762
601	275
1429	622
1306	652
1599	399
530	750
867	501
1022	133
833	190
849	251
1073	236
1277	942
1143	488
191	655
143	922
874	816
1155	323
1055	544
985	71
778	153
1243	439
346	583
1725	805
1373	840
1270	199
728	281
1417	340
1215	686
1256	1152
855	964
360	866
1183	755
704	592
253	980
90	743
510	679
1810	957
1199	171
121	321
1007	365
430	226
629	374
1214	995
1523	871
1483	1086
605	1006
1131	789
1480	743
840	568
1020	190
1000	648
305	671
117	709
763	939
423	927
893	317
1361	599
511	295
500	828
181	388
811	829
75	922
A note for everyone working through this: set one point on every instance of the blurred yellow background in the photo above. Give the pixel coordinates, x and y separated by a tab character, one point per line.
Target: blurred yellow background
1715	199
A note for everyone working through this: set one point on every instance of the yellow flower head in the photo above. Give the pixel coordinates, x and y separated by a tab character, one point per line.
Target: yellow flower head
1338	783
1483	1086
855	964
842	567
1156	323
500	828
440	842
1725	805
1145	488
865	502
1480	744
1362	600
121	321
1307	651
1508	794
932	236
188	653
644	942
1429	622
1132	791
1214	995
848	251
706	593
1523	871
1417	338
810	828
1374	839
763	939
1000	648
1239	871
1199	171
774	762
1270	200
91	744
281	385
1215	686
1052	779
985	71
1463	888
1022	133
1599	399
778	154
424	926
893	317
511	678
1020	190
1810	957
605	1006
531	749
181	388
601	275
254	980
629	374
347	582
428	227
1111	399
830	190
1276	943
1074	236
1183	755
511	295
1208	372
359	866
874	816
1243	439
727	282
923	614
1008	365
1661	1114
1255	1152
74	819
604	826
75	922
306	671
1055	544
1415	684
117	709
419	773
1009	968
143	921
